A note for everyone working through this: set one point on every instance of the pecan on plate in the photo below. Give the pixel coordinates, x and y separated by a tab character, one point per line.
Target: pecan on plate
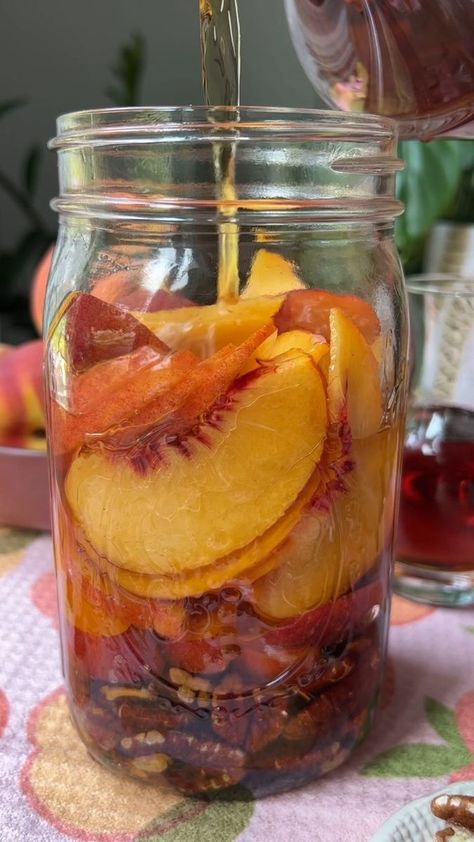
458	811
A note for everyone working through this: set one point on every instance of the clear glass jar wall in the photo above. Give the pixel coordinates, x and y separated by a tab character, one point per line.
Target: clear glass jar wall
226	376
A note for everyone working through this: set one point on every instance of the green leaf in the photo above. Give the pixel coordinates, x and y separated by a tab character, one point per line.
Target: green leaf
13	541
443	721
427	187
466	153
128	72
417	761
31	169
469	629
10	105
197	820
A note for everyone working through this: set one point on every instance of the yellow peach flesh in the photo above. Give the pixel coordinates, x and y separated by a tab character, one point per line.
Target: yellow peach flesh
331	548
293	341
204	330
353	378
271	274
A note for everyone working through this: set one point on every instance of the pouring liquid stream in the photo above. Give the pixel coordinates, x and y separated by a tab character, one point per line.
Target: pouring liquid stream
220	51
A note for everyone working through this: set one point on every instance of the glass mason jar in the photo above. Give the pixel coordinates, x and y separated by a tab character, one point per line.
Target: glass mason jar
226	368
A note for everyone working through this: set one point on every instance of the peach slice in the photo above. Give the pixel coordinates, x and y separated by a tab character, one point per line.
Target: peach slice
309	309
117	401
210	493
92	611
241	567
163	299
293	341
114	391
97	605
178	406
88	331
271	274
334	545
354	390
204	330
290	343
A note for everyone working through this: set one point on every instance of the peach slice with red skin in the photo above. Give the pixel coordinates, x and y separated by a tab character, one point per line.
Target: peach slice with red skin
179	404
332	622
112	392
96	605
219	488
309	309
206	657
118	400
163	299
98	608
88	331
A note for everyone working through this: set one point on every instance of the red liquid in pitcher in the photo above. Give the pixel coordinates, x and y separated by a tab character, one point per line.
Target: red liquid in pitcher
407	59
436	525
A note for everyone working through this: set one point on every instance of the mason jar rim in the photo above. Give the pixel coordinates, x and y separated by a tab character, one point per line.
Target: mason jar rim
355	152
244	123
437	283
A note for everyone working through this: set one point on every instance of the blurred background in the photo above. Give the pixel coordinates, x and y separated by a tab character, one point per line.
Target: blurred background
63	57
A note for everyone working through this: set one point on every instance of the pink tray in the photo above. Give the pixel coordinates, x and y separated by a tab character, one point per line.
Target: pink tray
24	488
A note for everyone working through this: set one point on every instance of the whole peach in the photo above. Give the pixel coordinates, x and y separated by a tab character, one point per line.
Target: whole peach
21	390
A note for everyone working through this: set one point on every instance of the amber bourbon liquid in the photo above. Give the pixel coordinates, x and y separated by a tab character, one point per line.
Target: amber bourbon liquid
436	525
220	51
408	59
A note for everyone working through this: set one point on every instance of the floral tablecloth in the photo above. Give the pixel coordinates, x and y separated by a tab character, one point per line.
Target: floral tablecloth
50	790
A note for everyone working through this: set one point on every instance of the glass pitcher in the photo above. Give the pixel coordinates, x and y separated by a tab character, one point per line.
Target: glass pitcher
412	60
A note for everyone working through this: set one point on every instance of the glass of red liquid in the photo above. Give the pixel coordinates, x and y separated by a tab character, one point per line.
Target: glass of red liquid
435	545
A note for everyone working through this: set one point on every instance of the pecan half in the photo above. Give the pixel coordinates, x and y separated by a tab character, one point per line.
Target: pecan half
203	753
282	772
458	810
113	693
340	701
267	724
230	724
149	764
146	742
191	780
137	718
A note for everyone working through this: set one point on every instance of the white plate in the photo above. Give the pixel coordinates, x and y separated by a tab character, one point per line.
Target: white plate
415	821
